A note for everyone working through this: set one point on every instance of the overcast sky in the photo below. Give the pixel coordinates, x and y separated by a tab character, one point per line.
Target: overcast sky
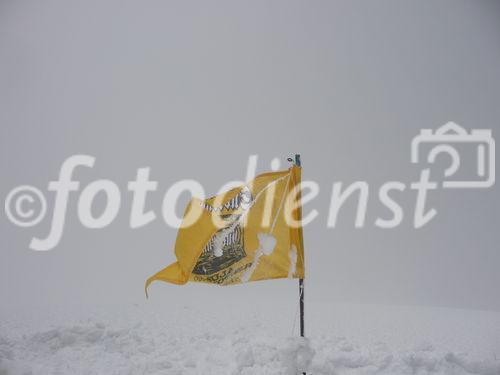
193	88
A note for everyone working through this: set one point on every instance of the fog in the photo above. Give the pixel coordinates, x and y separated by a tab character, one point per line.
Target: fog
192	89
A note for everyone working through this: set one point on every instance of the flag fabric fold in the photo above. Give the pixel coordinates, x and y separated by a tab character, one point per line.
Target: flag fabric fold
249	233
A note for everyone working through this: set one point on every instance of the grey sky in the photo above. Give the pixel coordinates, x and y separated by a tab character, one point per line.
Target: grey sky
191	89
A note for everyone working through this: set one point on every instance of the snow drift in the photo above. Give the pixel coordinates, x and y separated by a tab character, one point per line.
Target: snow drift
188	341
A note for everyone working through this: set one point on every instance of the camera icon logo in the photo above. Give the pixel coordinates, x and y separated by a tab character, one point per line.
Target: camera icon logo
446	140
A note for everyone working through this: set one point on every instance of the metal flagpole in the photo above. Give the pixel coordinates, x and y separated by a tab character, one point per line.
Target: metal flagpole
301	281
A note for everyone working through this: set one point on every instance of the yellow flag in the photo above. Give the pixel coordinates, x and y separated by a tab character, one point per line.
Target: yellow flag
249	233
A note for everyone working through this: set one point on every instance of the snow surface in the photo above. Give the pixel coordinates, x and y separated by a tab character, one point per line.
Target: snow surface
190	339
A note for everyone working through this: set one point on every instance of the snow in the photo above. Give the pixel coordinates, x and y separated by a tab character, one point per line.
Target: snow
267	243
187	339
292	254
219	239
